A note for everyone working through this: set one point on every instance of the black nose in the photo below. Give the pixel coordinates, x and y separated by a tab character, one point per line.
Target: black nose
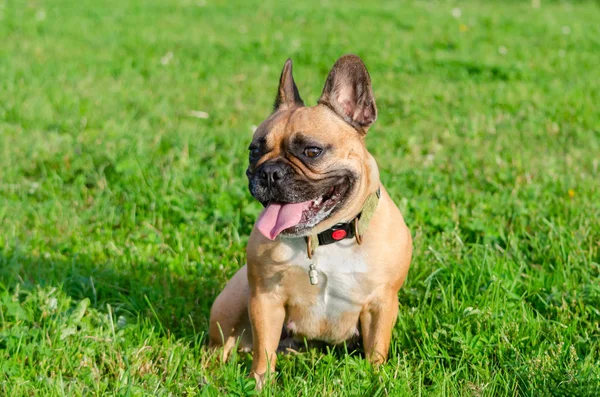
271	174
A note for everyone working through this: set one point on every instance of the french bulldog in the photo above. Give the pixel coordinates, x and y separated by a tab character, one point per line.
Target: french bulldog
330	251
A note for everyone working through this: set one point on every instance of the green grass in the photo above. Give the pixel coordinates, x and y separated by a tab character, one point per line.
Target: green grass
122	215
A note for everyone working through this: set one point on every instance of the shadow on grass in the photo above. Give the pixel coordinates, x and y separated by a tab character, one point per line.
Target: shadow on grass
177	304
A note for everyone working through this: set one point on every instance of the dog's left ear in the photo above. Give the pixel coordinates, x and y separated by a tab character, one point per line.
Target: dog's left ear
287	93
348	92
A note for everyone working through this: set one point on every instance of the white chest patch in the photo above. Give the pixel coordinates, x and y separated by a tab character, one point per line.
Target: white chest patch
342	286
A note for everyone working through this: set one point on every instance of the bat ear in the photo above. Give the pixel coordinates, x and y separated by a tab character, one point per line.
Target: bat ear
287	94
348	93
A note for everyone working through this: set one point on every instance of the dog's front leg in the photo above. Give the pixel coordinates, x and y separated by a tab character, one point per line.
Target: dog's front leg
267	315
376	322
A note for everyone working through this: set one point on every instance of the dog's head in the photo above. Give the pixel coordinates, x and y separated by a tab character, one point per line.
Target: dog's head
308	165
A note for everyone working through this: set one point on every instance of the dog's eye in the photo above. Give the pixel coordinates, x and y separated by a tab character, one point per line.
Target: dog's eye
312	152
254	153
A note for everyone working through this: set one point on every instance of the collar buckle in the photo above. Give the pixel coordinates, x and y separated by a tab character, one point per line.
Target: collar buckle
336	233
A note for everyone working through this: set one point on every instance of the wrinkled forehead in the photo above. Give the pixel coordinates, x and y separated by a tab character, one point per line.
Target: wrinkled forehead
319	122
273	128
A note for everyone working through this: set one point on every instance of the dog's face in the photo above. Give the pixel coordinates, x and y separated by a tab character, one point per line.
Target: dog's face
308	163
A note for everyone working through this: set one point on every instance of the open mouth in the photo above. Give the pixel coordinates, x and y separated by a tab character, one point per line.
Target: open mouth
296	218
323	204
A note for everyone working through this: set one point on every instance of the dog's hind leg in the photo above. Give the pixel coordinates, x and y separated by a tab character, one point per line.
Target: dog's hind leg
229	321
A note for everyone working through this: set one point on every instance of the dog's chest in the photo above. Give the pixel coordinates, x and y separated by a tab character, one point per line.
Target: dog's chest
328	310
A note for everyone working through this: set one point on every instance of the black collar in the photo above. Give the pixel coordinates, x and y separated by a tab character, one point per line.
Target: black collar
341	231
337	232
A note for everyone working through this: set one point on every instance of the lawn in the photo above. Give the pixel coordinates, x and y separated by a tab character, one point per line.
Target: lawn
124	207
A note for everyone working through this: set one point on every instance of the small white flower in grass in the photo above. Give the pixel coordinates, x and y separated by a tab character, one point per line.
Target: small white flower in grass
201	3
40	15
52	304
253	128
456	12
199	114
566	30
33	187
502	50
168	57
562	53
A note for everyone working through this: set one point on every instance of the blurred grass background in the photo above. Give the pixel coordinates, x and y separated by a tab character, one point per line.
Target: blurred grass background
123	203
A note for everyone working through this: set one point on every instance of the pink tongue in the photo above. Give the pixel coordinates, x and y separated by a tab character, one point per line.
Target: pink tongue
278	217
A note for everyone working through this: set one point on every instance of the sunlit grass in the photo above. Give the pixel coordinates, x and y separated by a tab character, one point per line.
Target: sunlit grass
124	128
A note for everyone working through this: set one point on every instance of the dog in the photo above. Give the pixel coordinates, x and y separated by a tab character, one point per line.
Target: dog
330	251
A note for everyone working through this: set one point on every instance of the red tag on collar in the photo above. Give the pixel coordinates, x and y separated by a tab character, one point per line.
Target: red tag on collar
339	235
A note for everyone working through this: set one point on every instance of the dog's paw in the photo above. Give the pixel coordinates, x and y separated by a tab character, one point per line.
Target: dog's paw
377	359
260	380
263	379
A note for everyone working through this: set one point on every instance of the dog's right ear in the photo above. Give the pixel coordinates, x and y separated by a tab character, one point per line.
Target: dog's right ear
287	94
